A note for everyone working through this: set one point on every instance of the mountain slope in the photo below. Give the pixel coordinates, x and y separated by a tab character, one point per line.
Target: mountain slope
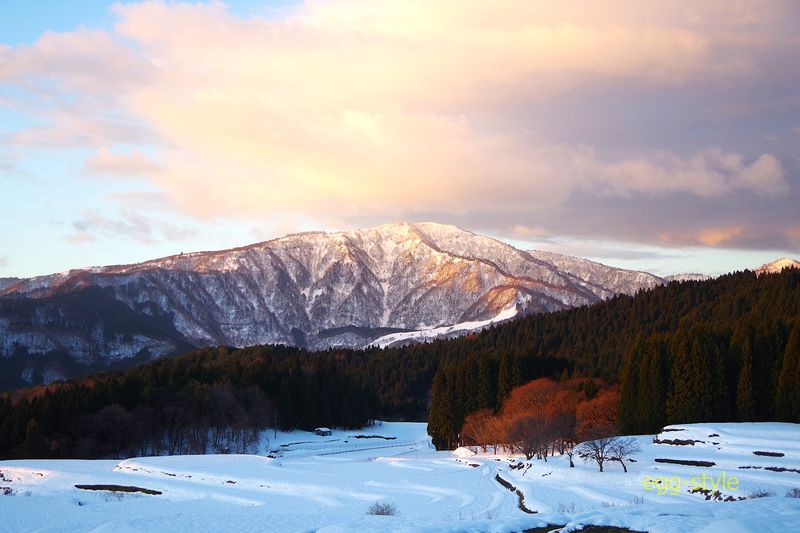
606	280
688	276
777	266
312	290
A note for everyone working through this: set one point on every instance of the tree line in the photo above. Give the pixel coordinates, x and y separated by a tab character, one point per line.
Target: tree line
215	399
722	349
725	349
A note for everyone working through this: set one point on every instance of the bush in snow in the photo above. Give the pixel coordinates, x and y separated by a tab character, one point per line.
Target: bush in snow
760	493
382	509
793	493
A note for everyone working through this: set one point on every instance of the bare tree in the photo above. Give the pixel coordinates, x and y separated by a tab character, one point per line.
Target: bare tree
597	450
622	449
530	435
113	427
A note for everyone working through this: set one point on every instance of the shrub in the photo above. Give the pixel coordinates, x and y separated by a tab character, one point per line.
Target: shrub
760	493
706	464
118	488
566	508
793	493
677	442
382	509
768	454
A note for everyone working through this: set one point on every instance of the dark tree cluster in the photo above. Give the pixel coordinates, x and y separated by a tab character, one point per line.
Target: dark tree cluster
725	349
212	399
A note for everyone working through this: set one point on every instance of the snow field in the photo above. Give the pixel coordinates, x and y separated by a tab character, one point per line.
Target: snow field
616	498
303	482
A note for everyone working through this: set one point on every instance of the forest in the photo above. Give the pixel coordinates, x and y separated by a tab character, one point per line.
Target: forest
716	350
726	349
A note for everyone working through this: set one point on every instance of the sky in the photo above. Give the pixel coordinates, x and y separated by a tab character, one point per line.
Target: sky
662	136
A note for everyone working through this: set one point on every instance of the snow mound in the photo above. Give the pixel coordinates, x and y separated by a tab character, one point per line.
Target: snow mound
463	452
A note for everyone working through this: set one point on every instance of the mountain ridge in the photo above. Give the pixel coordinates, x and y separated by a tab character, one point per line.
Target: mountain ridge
777	266
313	290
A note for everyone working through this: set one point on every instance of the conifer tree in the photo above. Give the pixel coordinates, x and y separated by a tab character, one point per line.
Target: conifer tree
697	384
504	378
787	404
285	405
629	392
439	422
517	377
652	385
745	409
487	384
33	446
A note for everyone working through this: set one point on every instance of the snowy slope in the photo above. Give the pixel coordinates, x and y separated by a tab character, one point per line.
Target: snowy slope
603	277
616	498
303	482
7	282
777	266
442	332
689	276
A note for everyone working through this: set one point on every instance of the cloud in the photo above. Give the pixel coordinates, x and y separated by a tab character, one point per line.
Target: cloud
7	165
129	225
64	63
359	110
711	172
525	232
106	163
709	237
75	85
3	261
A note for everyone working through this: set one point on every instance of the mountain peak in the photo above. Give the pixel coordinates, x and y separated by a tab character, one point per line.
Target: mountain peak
777	266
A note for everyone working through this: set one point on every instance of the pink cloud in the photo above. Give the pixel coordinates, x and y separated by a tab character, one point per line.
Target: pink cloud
128	224
107	163
359	109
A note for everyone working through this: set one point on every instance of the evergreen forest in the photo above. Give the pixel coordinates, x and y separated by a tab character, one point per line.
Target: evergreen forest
726	349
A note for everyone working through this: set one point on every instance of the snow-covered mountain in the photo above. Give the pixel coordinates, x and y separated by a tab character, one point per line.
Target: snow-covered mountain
777	266
688	276
6	282
313	290
606	280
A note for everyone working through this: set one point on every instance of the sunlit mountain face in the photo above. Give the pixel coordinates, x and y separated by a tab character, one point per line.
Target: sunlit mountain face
385	285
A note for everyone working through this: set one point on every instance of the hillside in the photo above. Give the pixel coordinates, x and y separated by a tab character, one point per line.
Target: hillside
311	290
717	350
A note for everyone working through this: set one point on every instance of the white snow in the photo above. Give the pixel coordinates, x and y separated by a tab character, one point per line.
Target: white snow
777	266
304	482
443	331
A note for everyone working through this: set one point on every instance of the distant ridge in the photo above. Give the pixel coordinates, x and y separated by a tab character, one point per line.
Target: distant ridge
689	276
777	266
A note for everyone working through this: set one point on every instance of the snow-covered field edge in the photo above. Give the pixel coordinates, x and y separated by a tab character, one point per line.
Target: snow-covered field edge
300	481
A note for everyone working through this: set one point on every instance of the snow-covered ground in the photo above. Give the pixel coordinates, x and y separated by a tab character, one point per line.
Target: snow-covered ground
304	482
429	334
